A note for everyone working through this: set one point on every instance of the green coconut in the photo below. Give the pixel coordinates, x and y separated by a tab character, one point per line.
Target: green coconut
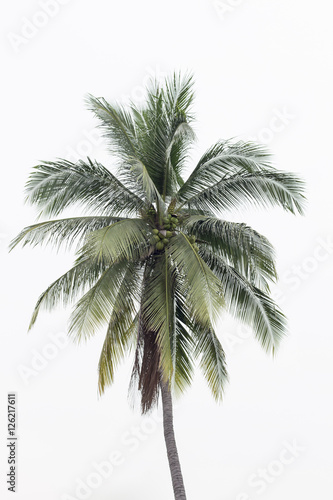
155	231
161	236
169	234
174	220
192	239
165	241
155	238
160	245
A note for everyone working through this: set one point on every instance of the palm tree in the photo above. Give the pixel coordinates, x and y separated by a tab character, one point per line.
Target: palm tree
155	264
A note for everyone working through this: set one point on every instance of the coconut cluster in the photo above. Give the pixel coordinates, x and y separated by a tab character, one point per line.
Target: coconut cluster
161	237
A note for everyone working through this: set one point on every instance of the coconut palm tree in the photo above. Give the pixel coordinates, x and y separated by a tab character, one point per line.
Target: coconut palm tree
155	264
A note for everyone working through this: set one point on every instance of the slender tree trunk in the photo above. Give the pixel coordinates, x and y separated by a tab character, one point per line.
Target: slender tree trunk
169	435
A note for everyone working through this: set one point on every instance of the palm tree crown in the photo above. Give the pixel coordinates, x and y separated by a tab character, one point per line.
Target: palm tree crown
155	264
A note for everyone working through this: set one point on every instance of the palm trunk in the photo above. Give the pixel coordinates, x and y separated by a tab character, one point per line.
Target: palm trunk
169	435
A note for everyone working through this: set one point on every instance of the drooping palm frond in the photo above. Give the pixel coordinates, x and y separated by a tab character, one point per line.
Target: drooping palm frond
54	186
261	188
212	359
69	286
62	231
127	239
195	280
182	344
147	368
122	326
248	303
158	309
182	354
243	247
222	160
94	309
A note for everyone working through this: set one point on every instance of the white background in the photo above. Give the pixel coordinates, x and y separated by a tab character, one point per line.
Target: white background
253	61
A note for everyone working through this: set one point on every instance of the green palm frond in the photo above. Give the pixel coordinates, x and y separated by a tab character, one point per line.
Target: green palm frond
117	125
182	345
94	309
261	188
195	280
122	326
179	95
182	349
158	309
222	160
62	231
212	359
69	286
152	132
54	186
181	140
147	185
127	239
114	350
240	245
248	303
163	132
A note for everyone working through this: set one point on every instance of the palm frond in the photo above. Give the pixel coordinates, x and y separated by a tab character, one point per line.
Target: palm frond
262	188
179	95
127	239
222	160
240	245
62	231
164	133
94	309
122	326
195	280
158	309
248	303
69	286
147	185
117	125
182	347
54	186
212	359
